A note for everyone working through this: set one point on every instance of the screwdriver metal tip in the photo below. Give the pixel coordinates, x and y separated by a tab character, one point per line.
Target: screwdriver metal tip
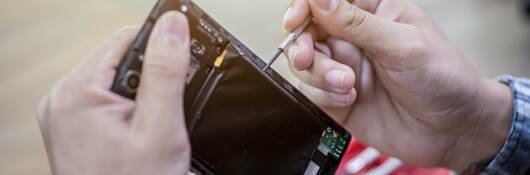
287	41
277	54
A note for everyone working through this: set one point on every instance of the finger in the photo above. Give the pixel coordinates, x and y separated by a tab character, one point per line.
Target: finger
324	49
328	74
345	52
317	33
160	94
301	52
336	105
348	22
110	53
328	99
99	67
295	14
299	10
367	5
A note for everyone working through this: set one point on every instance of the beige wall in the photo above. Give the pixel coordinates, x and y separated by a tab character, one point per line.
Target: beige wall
41	40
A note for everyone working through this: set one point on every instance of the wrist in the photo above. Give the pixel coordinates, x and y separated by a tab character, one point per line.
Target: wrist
493	113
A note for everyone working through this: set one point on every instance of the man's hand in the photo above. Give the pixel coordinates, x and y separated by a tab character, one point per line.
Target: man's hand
87	129
414	95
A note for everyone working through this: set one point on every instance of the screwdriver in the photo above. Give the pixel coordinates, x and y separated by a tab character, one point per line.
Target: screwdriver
287	41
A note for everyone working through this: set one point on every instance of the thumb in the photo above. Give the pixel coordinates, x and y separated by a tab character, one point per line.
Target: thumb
159	108
350	23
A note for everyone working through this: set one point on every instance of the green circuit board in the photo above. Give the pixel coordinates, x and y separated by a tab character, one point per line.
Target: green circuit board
335	142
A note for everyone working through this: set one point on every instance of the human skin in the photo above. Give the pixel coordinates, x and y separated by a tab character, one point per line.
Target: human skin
88	129
385	71
382	69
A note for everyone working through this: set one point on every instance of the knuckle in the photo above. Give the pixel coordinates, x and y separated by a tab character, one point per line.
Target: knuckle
58	100
91	92
416	46
356	18
67	94
79	83
410	53
54	106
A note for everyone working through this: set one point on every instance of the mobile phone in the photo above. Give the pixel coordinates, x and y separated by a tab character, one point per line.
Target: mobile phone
526	7
240	119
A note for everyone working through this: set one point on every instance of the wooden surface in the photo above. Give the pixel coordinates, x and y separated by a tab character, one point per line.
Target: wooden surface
41	40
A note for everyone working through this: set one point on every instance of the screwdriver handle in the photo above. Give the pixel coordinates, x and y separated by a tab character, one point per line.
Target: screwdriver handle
295	34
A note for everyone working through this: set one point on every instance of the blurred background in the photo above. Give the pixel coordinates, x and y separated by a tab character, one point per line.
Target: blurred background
42	40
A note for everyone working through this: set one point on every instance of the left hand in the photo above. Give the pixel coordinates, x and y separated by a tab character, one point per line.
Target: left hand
88	129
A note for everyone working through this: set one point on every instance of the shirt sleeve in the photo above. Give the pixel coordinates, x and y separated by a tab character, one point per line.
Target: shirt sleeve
514	157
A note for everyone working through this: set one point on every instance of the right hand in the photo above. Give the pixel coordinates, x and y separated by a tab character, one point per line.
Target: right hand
416	97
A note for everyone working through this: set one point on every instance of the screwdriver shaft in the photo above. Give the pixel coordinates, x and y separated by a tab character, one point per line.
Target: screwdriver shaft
287	41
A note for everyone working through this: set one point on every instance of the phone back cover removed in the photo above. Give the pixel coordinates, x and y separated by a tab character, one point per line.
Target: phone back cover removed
241	120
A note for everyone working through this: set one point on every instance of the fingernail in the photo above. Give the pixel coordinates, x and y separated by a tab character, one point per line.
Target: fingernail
326	5
170	31
336	78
